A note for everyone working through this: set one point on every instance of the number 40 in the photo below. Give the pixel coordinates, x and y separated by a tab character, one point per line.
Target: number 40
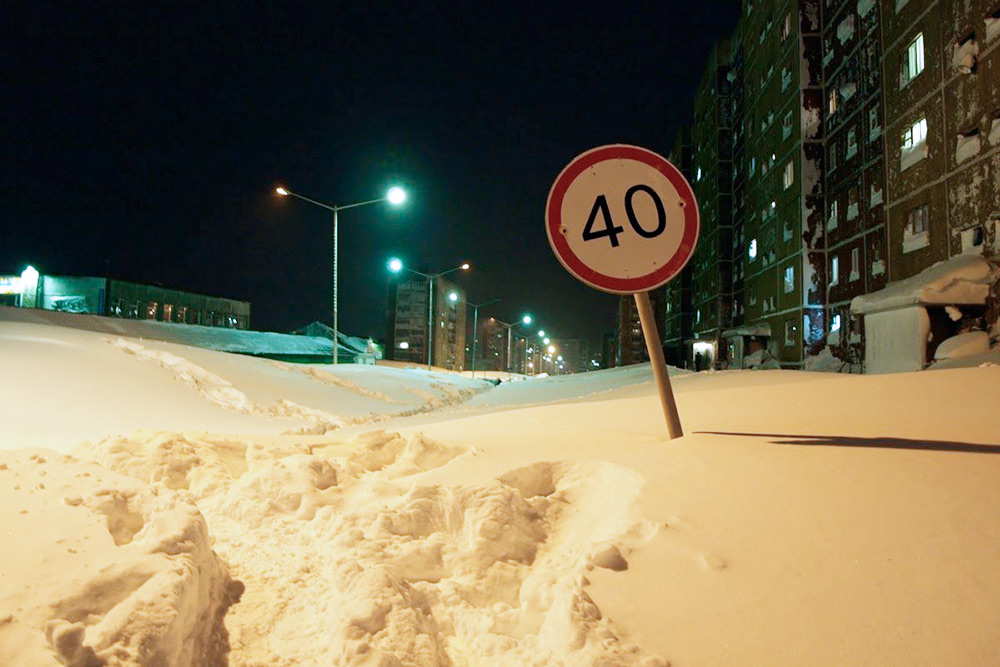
611	230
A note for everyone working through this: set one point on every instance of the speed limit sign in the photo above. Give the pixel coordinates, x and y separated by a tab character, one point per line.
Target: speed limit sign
623	220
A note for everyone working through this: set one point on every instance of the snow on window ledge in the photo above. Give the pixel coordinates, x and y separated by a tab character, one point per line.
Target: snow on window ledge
876	197
913	242
852	150
992	28
878	267
854	275
865	6
994	136
966	147
900	4
845	30
852	211
911	156
875	133
963	57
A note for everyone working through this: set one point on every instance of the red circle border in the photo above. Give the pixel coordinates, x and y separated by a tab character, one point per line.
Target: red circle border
573	264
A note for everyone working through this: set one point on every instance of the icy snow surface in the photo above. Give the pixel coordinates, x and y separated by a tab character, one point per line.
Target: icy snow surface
805	518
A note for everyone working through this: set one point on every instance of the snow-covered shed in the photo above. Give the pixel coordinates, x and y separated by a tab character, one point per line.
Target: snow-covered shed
905	322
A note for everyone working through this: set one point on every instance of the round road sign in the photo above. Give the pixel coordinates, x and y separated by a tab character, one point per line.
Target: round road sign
622	219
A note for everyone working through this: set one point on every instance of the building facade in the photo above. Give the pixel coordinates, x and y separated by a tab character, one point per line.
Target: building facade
712	263
407	336
111	297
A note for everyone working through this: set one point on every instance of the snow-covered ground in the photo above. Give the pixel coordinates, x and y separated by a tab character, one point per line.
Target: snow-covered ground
170	505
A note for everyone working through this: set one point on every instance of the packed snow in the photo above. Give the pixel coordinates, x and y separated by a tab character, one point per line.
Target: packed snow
173	505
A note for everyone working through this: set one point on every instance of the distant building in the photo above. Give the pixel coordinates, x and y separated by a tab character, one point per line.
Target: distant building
575	353
676	327
119	298
406	333
630	344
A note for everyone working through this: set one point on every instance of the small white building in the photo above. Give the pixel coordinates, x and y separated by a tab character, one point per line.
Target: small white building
906	322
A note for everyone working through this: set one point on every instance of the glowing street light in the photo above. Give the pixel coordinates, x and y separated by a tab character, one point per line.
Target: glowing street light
395	265
526	320
395	196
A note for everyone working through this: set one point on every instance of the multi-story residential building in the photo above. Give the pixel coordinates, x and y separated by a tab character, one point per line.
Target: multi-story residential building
676	330
575	355
630	345
865	149
406	336
783	268
942	100
711	264
854	223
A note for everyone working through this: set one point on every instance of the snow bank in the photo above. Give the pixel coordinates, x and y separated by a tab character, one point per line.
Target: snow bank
824	362
375	565
968	344
99	569
963	279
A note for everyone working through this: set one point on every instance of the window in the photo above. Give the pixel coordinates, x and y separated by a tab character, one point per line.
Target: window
855	263
786	28
786	78
835	323
913	144
832	102
832	219
697	176
845	31
833	155
965	53
151	309
789	284
752	250
786	125
852	144
789	333
916	234
852	203
168	312
912	63
789	176
753	295
917	220
834	271
874	125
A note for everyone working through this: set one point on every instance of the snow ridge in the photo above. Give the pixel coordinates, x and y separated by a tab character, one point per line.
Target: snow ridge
375	565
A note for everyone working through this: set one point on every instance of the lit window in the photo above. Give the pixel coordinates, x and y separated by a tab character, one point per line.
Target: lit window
834	270
789	176
697	176
786	29
915	134
832	102
753	249
835	323
912	63
789	279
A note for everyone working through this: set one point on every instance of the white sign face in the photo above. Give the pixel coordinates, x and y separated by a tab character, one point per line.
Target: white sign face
622	219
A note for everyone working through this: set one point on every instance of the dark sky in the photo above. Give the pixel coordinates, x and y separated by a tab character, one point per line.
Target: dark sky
146	140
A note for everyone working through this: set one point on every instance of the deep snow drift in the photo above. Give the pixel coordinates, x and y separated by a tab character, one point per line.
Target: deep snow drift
368	515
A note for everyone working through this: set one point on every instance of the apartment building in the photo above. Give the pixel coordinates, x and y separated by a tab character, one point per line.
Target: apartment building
784	264
630	345
407	323
942	103
854	222
676	331
711	265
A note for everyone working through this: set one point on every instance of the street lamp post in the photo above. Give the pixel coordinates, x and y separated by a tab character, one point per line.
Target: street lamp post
394	196
475	324
396	265
525	320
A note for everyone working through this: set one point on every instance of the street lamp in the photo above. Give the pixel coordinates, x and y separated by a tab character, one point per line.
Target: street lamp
526	320
395	265
453	296
395	196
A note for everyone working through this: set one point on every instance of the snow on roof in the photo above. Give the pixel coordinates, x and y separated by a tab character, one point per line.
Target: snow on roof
213	338
762	329
965	279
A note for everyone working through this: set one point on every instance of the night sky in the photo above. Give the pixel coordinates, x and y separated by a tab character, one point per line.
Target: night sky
145	142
